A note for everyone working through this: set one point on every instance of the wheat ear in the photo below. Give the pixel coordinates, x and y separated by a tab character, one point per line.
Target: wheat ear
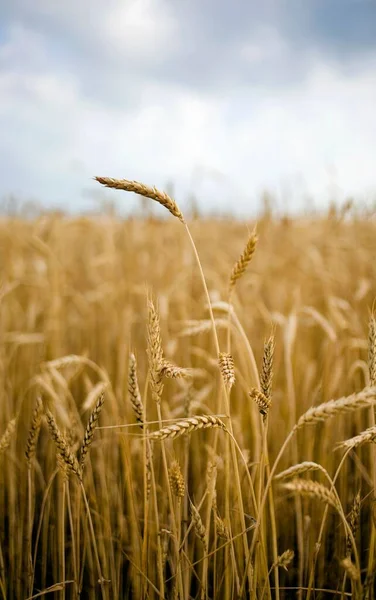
7	435
187	426
312	489
143	190
369	435
366	397
62	445
177	482
32	438
262	401
90	429
285	559
244	260
298	469
266	376
353	520
134	391
155	352
198	526
227	368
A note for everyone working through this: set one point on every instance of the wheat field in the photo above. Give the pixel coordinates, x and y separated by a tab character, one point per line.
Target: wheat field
187	406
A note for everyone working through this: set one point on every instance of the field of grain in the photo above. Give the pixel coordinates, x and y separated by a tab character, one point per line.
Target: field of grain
187	410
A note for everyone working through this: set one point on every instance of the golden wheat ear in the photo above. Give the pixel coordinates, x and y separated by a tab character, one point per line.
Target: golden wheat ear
143	190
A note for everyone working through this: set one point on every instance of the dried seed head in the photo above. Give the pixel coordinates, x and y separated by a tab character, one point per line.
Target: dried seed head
369	435
226	365
32	438
350	569
134	391
266	377
285	559
372	350
245	258
7	435
171	371
198	525
312	489
90	428
187	426
143	190
220	527
62	446
262	402
353	521
155	352
177	482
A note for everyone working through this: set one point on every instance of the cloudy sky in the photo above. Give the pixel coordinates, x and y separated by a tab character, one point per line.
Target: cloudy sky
224	99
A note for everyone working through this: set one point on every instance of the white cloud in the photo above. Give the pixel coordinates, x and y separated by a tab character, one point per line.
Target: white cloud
55	137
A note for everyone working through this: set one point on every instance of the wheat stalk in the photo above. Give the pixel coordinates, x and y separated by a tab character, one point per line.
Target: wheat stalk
143	190
187	426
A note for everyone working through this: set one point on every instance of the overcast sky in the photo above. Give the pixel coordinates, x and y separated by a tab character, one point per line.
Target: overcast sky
224	99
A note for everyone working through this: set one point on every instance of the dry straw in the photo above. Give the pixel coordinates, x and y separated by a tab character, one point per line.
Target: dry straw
32	438
244	260
62	446
226	365
90	429
187	426
134	391
143	190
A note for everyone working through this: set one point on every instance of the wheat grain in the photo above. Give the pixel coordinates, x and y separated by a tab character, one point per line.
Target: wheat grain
7	435
134	391
245	258
155	352
298	469
143	190
262	402
90	429
226	365
350	569
322	412
62	446
187	426
312	489
32	438
369	435
266	376
177	482
285	559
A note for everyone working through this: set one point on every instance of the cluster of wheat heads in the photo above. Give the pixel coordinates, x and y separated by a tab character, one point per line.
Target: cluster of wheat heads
210	438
